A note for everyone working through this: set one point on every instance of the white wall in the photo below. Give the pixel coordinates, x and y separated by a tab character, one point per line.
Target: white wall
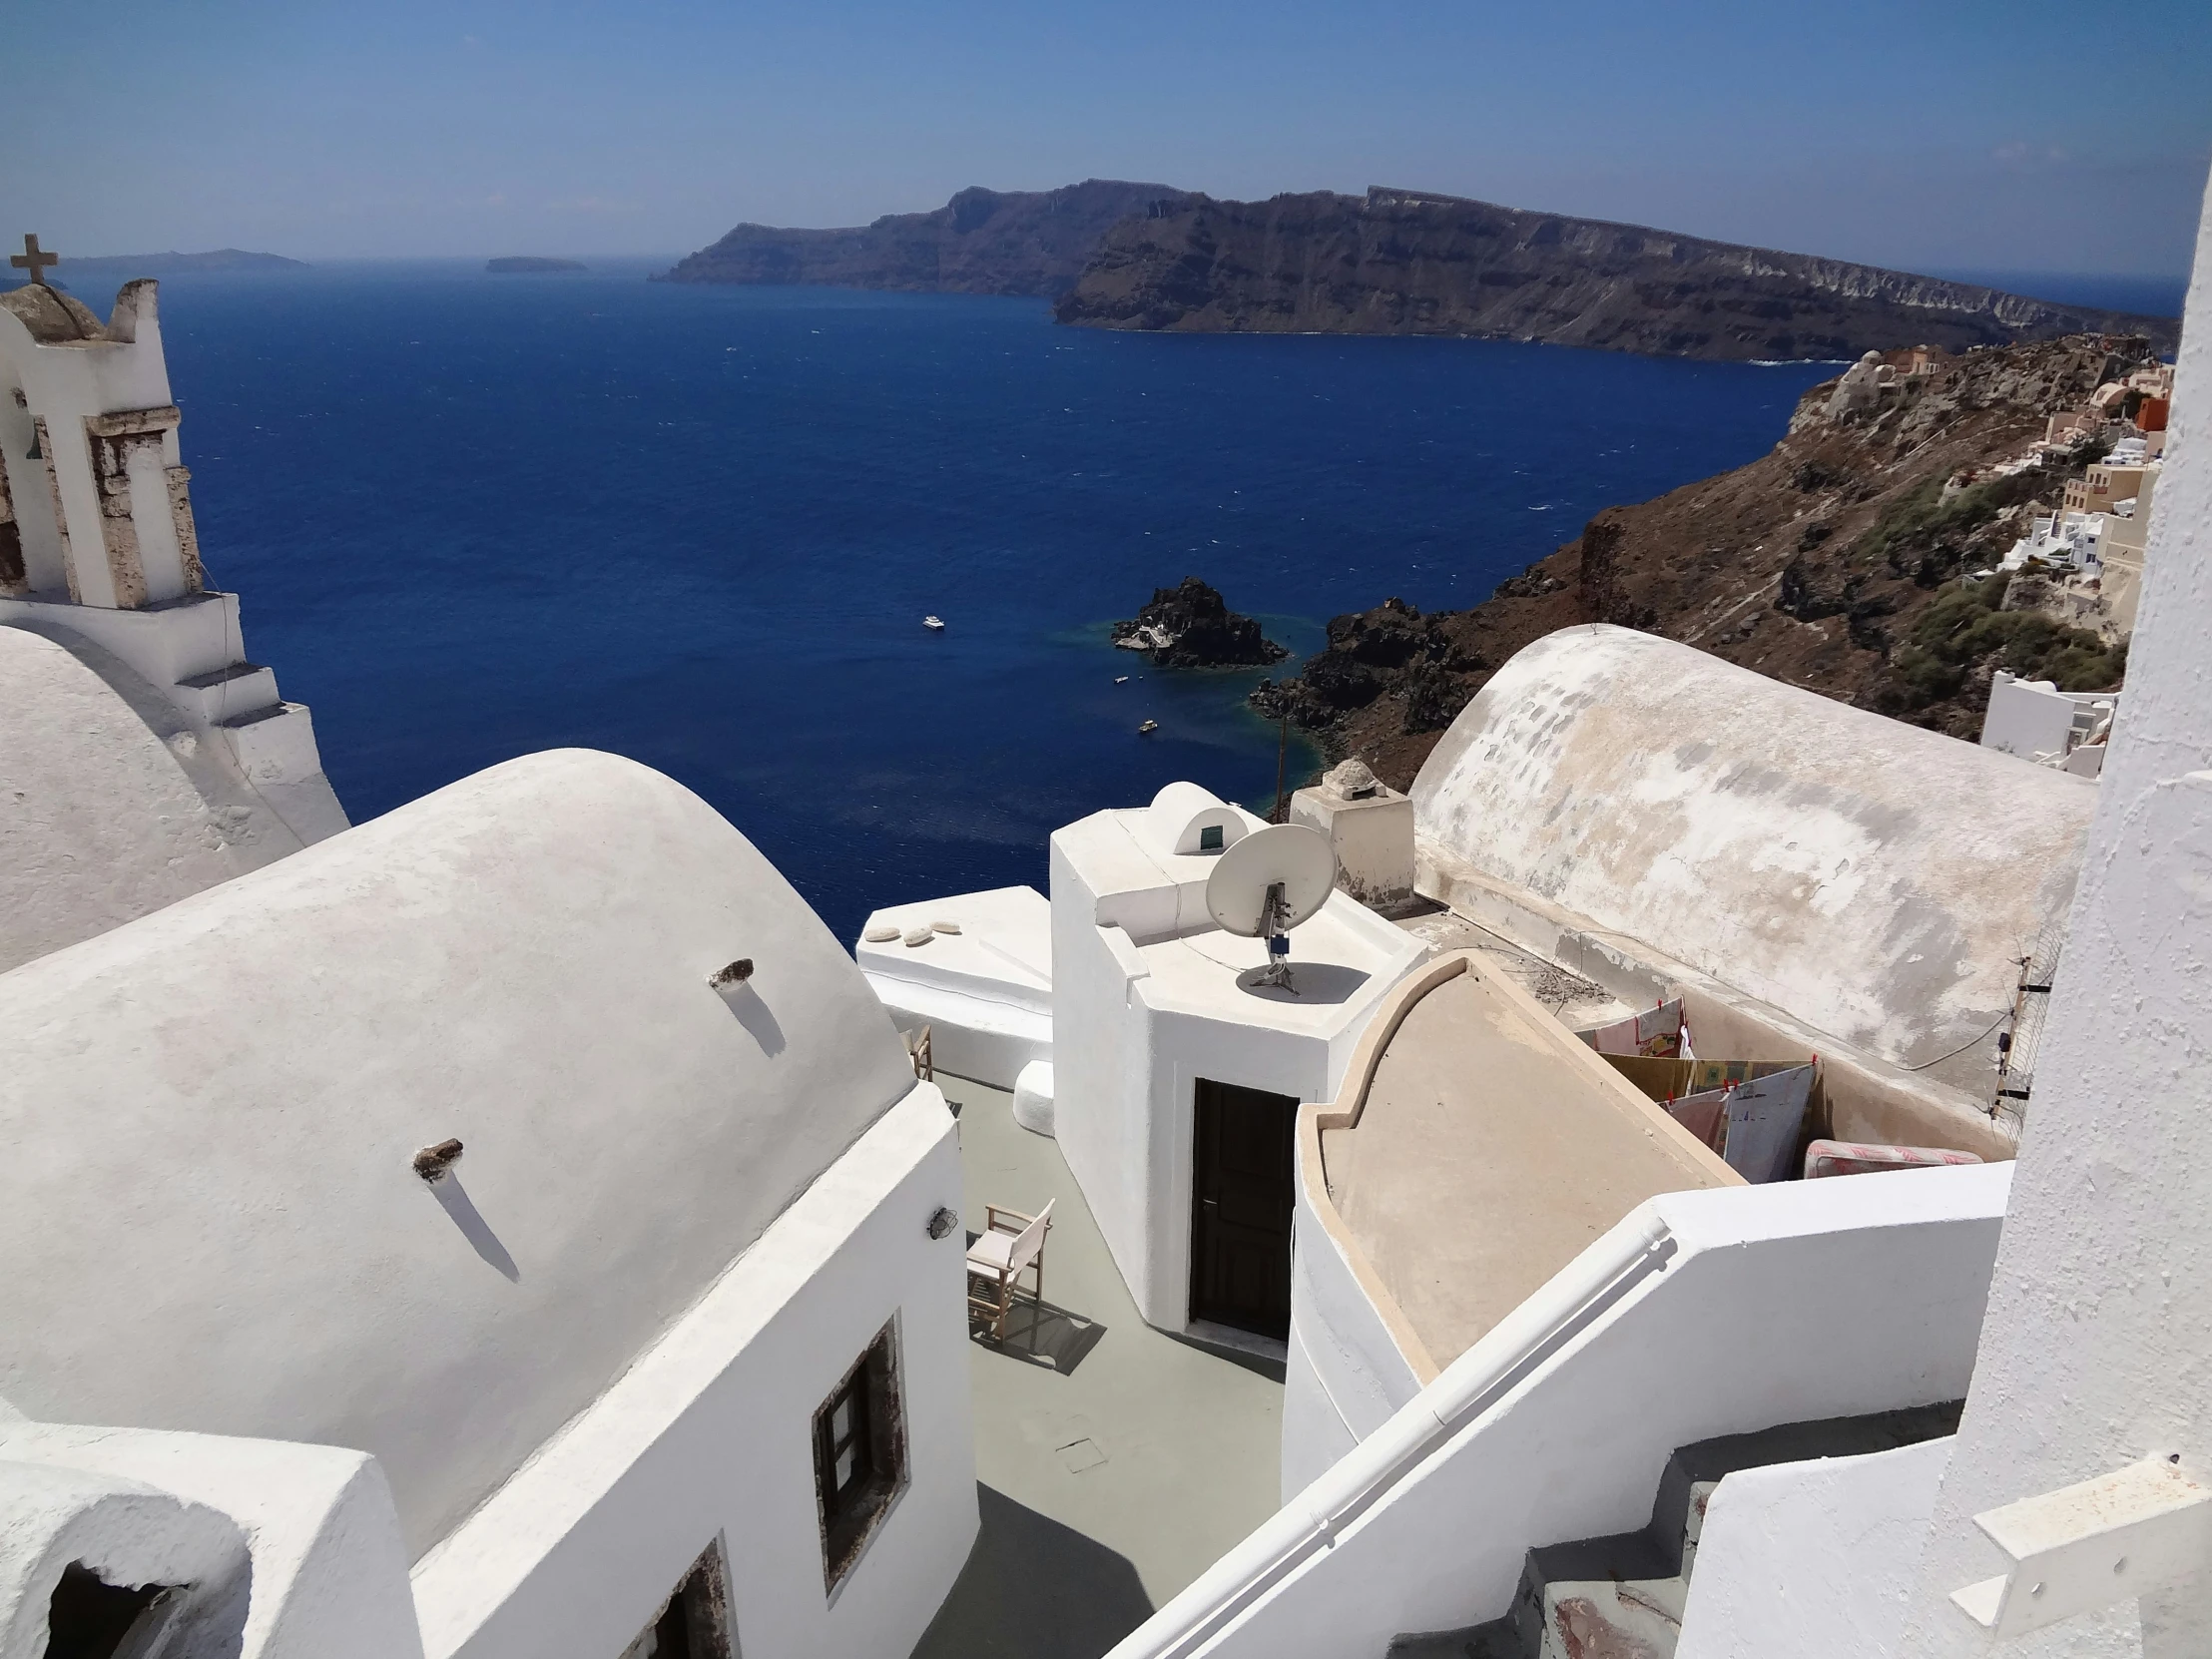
327	1574
709	1434
520	960
1345	1377
1096	1046
1812	1560
2028	718
1128	1055
1729	1337
2101	1321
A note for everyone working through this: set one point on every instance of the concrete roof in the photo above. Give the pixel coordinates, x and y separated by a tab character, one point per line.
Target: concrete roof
1342	958
1489	1149
1002	952
1341	962
208	1208
109	806
1874	880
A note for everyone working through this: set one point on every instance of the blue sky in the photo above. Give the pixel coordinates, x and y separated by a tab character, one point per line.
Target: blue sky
2024	135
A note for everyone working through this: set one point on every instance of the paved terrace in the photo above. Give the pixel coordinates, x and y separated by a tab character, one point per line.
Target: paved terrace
1115	1463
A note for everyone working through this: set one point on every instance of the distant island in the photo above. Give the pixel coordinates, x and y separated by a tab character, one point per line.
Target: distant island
1399	261
1192	626
1114	254
1033	242
530	266
172	264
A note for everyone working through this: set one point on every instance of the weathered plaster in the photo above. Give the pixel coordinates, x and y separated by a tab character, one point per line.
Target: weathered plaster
2096	1351
1874	880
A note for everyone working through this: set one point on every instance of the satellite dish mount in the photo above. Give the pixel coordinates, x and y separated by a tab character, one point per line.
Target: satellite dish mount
1266	885
1276	923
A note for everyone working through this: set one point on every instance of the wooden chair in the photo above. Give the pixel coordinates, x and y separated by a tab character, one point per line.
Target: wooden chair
1012	1243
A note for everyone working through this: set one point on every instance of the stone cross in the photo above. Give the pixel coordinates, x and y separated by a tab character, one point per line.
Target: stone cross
33	259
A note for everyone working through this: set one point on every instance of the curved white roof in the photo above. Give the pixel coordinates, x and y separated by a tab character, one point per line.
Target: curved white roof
1876	881
1178	815
208	1211
110	806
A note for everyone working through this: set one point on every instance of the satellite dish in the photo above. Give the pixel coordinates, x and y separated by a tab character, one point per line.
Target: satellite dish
1266	884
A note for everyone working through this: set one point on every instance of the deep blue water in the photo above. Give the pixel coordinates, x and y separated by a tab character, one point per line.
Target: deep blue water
475	516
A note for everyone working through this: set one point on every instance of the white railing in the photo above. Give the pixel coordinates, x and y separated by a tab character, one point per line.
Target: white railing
1567	1305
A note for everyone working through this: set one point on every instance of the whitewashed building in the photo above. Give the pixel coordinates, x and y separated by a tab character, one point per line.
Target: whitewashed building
1946	1413
510	1227
1177	1078
149	757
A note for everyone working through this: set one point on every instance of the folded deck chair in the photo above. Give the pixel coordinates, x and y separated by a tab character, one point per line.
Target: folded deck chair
1012	1243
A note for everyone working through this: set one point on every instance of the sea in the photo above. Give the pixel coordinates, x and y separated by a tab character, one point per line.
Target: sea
475	516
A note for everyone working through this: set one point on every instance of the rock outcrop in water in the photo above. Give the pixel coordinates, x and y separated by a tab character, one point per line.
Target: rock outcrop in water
980	242
1192	626
1406	263
1832	562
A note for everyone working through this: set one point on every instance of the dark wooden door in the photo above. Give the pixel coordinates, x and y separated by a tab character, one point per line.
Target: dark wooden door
1240	1208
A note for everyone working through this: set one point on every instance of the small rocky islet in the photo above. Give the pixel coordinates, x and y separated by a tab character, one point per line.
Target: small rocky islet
1191	626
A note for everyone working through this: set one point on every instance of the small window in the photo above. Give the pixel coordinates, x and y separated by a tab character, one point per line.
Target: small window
1208	838
860	1454
695	1624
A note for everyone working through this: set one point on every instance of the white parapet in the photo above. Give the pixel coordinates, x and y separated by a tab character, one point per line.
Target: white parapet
976	969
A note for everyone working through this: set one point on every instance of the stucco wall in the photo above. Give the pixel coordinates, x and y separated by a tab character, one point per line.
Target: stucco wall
708	1436
1876	881
1129	1045
110	806
1575	1450
1812	1560
231	1089
2100	1321
1345	1375
327	1577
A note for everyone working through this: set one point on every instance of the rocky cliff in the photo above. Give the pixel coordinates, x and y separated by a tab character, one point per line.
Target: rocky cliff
1833	562
980	242
1406	263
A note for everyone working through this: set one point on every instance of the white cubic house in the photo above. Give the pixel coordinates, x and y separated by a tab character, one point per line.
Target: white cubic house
1178	1076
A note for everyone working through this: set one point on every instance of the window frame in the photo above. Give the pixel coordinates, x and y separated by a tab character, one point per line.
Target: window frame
851	1513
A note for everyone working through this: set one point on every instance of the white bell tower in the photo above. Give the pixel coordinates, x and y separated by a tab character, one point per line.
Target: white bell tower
97	542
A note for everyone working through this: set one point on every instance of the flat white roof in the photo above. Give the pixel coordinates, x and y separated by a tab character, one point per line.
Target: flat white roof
1003	950
1342	961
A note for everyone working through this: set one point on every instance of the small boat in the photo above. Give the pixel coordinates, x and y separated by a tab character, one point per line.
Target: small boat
1147	727
1121	679
935	624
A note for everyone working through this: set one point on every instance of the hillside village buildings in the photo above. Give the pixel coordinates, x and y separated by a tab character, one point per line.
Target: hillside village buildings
516	1226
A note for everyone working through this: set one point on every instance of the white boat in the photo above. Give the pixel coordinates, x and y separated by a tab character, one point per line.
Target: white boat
1121	679
935	624
1147	728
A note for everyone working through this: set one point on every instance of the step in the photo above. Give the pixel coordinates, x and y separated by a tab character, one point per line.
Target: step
227	693
1622	1597
1637	1618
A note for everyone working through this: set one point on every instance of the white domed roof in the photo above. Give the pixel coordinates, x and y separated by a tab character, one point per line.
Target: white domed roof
209	1210
1870	878
110	806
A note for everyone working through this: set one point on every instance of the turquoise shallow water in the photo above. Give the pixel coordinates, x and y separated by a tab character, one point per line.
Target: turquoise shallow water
475	516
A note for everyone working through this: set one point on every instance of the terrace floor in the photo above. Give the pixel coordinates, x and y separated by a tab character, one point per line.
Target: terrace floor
1115	1463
